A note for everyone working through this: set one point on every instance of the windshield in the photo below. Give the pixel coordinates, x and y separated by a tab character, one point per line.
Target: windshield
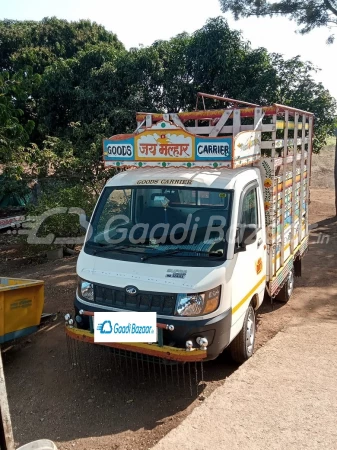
157	221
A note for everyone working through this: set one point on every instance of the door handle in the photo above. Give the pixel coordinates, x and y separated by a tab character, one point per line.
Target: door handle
259	242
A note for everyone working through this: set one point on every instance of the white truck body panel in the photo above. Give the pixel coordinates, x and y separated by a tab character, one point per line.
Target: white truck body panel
232	272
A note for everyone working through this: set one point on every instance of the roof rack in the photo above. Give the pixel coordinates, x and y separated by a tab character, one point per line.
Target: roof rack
234	102
239	135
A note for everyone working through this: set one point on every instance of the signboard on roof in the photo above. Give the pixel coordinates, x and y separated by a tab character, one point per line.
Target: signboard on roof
247	147
210	149
166	145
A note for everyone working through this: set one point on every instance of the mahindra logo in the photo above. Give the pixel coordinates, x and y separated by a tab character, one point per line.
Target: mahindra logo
131	290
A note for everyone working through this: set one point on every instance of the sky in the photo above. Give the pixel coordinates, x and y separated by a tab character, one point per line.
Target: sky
142	22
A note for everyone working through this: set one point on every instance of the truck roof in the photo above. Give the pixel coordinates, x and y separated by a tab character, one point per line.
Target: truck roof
213	178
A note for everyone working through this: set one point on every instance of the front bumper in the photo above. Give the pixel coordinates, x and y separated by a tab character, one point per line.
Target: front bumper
216	330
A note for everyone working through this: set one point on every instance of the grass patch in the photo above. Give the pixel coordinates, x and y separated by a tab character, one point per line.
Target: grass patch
331	141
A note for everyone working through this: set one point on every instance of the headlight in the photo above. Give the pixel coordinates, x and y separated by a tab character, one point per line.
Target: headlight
86	290
198	304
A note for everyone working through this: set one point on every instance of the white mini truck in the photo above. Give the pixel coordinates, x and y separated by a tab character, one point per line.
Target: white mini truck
210	217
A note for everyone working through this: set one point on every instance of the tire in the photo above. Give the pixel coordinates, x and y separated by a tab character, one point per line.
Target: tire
285	293
242	347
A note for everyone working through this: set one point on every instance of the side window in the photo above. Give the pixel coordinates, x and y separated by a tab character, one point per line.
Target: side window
250	209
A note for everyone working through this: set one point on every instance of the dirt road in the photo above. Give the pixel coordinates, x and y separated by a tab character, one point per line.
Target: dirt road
289	395
46	400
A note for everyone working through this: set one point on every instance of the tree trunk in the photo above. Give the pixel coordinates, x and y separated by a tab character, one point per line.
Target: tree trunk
336	176
6	431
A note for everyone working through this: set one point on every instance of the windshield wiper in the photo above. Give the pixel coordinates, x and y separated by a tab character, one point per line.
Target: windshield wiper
108	248
174	252
156	255
126	247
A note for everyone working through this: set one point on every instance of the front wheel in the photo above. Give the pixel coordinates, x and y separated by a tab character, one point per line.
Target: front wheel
242	347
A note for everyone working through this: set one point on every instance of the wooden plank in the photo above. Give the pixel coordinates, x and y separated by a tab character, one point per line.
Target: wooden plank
258	116
273	136
6	431
269	127
148	120
279	143
218	127
228	129
309	159
206	130
140	126
293	191
208	114
236	122
176	120
306	197
291	125
225	99
280	161
217	113
285	150
300	231
291	111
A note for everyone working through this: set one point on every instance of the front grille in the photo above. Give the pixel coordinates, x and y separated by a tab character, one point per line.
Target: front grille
114	297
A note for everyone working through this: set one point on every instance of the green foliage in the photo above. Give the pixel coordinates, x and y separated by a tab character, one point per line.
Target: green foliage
308	14
295	86
14	181
226	65
58	194
331	141
14	129
64	86
37	44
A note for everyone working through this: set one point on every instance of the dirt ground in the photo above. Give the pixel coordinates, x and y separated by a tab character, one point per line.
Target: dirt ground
48	401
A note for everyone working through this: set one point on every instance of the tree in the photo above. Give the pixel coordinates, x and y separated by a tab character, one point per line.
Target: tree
37	44
295	86
167	75
224	64
335	171
308	14
79	84
14	131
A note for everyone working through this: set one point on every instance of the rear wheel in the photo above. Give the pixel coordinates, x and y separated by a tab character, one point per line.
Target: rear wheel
242	347
287	290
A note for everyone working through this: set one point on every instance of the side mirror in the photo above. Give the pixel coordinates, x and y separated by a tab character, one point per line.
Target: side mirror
246	236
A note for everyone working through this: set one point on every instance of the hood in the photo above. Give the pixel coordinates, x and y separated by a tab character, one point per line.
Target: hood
149	277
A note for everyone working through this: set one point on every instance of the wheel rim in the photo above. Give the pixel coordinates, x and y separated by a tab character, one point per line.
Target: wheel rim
250	334
290	283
